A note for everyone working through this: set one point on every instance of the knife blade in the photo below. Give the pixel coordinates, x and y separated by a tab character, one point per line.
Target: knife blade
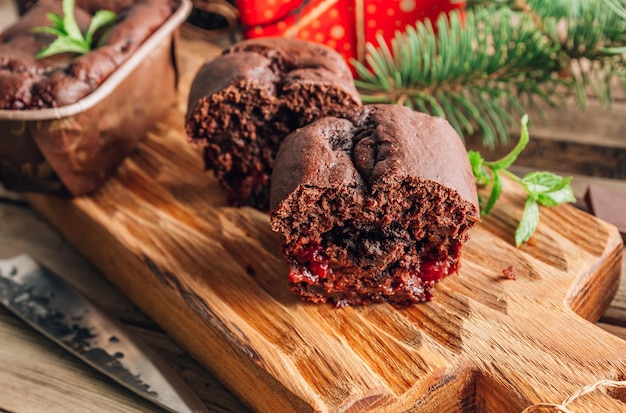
53	307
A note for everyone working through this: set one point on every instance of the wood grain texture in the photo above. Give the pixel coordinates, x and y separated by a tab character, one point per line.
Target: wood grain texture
212	277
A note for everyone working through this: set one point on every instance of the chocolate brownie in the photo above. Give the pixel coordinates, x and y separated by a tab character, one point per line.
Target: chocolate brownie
372	207
63	79
243	103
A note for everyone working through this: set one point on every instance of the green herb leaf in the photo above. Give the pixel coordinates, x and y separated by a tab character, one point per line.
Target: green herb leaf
69	21
69	37
62	45
477	161
528	223
548	188
554	198
545	188
541	182
99	20
511	157
57	21
496	190
50	30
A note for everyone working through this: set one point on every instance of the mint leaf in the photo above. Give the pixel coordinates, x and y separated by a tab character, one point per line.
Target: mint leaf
511	157
558	197
100	19
69	21
57	21
69	37
545	188
50	30
528	223
496	190
477	161
62	45
548	188
540	182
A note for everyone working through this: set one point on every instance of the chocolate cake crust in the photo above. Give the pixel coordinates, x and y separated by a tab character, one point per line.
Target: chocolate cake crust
62	79
245	102
372	207
408	143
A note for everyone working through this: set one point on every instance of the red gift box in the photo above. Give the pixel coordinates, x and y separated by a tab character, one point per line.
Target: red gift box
344	25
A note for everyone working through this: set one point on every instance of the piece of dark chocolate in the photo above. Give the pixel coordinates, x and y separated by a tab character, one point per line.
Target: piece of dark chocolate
608	205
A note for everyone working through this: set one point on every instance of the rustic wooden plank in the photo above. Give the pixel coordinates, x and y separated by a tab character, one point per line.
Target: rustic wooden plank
23	231
587	142
596	124
571	157
616	313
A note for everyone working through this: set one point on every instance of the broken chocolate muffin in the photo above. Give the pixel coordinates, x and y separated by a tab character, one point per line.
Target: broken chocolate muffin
372	207
246	101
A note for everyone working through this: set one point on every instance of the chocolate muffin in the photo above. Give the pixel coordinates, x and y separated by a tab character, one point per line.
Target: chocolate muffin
372	207
62	79
243	103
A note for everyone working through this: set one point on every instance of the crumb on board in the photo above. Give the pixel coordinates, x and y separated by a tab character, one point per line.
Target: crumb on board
509	273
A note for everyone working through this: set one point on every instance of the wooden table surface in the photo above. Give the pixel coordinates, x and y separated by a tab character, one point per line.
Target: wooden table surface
38	376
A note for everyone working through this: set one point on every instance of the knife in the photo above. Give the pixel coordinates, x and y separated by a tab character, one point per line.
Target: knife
56	309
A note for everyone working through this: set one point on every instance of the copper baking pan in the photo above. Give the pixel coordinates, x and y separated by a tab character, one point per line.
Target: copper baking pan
74	148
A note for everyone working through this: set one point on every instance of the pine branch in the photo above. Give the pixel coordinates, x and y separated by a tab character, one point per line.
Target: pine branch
592	43
479	72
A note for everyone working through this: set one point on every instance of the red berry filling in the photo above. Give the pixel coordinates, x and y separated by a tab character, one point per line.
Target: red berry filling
437	265
311	275
434	269
313	264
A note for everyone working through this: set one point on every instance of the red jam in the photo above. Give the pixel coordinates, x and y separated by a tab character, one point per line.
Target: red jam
313	262
434	270
436	265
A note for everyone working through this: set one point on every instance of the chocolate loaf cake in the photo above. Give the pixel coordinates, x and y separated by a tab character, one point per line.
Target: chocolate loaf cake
243	103
372	207
70	119
30	83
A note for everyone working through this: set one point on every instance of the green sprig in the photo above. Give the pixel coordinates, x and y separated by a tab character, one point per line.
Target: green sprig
69	36
542	188
480	70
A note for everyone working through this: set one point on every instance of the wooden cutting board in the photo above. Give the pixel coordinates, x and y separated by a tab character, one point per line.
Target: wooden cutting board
212	277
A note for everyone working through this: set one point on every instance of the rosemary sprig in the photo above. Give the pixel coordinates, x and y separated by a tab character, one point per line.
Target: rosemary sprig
542	188
69	36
